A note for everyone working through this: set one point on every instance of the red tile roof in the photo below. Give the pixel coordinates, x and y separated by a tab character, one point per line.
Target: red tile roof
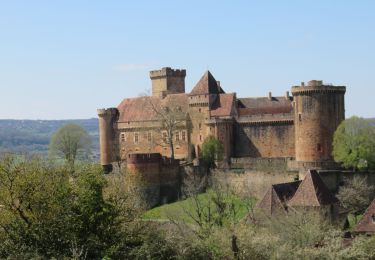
274	201
144	108
367	224
263	105
223	105
206	85
312	192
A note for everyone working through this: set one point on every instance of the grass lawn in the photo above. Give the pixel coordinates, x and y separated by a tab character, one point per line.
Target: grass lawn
180	210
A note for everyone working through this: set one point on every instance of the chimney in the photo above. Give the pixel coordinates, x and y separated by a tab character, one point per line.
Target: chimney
287	95
302	84
270	95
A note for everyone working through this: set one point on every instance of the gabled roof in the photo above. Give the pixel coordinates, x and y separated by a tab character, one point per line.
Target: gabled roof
366	224
206	85
274	201
144	108
312	192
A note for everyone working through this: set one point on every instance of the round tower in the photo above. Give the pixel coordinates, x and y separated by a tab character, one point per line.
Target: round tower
107	140
143	178
319	109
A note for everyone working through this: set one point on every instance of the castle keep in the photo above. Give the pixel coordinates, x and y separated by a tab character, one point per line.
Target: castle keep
298	127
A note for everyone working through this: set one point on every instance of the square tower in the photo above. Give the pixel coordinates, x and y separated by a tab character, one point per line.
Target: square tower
167	81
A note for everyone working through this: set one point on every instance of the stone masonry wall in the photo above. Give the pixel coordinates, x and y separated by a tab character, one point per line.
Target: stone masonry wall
252	182
264	140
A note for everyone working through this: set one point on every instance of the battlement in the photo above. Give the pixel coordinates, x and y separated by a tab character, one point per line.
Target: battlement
316	86
102	112
144	158
167	72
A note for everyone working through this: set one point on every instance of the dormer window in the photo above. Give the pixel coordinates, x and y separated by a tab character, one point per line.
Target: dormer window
373	218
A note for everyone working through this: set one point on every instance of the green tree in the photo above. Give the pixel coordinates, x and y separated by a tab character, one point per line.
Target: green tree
70	142
212	150
354	144
46	212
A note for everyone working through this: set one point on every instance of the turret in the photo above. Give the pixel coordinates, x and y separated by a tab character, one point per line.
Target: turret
167	81
319	109
107	120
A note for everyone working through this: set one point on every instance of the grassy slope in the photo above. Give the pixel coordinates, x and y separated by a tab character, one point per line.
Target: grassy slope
177	210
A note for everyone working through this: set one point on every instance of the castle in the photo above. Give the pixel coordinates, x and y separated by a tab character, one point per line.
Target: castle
299	126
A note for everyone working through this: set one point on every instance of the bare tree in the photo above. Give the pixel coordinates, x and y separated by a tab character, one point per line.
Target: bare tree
171	117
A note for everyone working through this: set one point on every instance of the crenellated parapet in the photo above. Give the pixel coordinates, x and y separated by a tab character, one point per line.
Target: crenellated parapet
167	71
167	81
107	112
142	158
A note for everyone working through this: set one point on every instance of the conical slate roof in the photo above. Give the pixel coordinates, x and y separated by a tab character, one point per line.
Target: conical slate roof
206	85
274	200
312	192
367	223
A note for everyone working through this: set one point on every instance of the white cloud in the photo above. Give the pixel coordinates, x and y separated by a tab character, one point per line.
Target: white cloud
129	67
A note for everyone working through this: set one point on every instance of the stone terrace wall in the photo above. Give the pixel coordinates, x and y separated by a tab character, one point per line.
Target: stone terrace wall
252	182
261	164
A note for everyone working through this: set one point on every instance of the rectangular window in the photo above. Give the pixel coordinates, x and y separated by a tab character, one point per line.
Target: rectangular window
200	137
165	136
123	138
177	136
145	136
136	138
149	136
319	148
183	136
200	126
300	117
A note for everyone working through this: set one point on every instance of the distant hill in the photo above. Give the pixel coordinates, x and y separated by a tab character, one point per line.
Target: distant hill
372	121
33	136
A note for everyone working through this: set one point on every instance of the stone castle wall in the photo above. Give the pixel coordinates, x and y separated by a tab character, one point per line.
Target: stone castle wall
264	139
152	179
167	81
318	112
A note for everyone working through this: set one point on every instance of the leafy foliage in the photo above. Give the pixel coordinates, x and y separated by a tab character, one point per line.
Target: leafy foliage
354	144
212	150
71	142
46	211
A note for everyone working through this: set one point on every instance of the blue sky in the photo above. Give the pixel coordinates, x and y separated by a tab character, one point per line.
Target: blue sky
65	59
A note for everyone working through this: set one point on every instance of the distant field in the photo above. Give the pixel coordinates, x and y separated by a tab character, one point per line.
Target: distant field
33	136
178	210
